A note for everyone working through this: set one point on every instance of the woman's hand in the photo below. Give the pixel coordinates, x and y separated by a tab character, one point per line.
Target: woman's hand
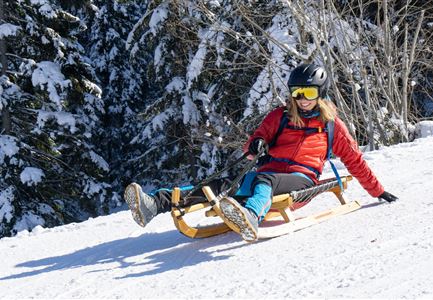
257	145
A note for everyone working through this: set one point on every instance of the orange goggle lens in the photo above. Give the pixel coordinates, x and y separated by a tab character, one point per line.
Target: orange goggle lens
310	93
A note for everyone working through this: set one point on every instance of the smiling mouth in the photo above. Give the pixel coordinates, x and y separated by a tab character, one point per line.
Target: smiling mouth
305	104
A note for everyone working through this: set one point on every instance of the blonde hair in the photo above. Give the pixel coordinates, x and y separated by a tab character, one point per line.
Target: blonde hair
328	111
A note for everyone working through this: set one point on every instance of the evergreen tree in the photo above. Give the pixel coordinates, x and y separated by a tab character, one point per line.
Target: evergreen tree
51	171
109	23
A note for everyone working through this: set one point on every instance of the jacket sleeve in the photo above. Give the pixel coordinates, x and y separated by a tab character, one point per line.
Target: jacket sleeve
268	128
346	148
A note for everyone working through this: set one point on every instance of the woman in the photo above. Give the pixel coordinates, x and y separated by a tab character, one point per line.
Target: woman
294	160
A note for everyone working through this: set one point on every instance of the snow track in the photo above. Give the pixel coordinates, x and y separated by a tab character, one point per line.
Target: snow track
382	250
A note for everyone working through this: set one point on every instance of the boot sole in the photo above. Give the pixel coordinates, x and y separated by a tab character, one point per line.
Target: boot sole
234	214
132	197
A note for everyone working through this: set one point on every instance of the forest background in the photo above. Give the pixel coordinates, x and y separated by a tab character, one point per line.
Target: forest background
96	94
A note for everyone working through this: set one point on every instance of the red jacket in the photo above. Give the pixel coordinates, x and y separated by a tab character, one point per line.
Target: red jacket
311	150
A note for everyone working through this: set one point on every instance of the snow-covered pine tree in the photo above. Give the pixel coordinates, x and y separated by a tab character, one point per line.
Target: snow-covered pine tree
109	23
51	172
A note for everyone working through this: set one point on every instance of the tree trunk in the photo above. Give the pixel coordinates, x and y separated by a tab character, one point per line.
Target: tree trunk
405	78
369	112
6	118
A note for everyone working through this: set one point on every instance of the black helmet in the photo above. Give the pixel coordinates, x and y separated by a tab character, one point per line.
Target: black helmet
310	74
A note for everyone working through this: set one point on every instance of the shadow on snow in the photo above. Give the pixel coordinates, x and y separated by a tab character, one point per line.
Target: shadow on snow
175	251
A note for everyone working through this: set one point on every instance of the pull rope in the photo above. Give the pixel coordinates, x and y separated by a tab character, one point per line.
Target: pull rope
215	175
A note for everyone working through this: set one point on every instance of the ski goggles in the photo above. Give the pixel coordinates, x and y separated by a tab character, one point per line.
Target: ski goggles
309	92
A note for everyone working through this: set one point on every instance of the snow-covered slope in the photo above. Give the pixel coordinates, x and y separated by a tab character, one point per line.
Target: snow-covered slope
382	250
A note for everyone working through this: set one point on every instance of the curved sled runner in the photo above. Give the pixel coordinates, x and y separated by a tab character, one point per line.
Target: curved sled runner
280	219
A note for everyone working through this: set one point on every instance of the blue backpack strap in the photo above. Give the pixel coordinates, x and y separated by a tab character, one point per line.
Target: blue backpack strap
330	129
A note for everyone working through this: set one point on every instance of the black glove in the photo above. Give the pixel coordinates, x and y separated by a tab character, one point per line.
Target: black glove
388	197
257	145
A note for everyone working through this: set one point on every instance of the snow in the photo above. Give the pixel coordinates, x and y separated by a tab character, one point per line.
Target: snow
48	76
190	112
157	60
6	209
99	161
48	11
196	65
62	118
8	147
29	220
424	128
8	91
157	123
159	15
8	29
45	8
38	2
177	84
380	251
31	176
92	187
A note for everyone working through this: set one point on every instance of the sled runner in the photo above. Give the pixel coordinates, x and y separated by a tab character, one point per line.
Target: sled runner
280	219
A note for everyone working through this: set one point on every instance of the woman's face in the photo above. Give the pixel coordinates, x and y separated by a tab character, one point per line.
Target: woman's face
306	97
306	104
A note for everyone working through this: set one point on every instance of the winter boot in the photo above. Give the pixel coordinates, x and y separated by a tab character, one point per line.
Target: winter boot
242	218
143	207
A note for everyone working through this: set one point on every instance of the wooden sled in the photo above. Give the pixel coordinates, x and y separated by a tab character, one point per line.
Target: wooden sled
280	219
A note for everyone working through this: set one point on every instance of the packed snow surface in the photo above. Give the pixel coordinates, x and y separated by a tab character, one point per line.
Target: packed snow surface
380	251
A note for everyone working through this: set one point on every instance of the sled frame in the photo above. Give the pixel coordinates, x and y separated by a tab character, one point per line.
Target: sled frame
279	220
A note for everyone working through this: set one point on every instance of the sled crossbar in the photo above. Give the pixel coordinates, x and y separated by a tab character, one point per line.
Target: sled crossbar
279	220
